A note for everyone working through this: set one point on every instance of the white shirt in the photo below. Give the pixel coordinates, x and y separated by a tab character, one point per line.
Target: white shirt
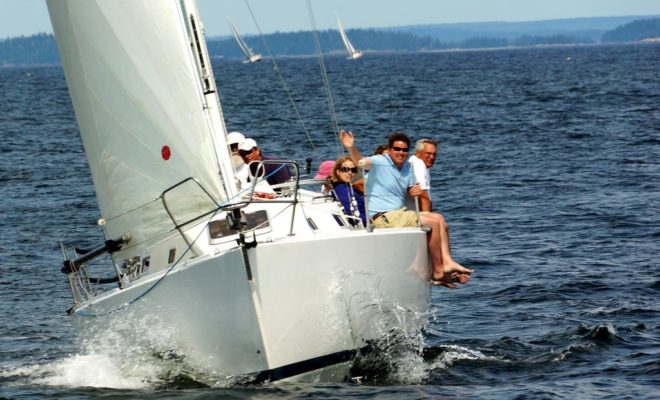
242	174
421	175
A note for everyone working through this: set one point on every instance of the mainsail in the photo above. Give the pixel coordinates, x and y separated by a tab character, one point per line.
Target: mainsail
247	51
142	106
352	53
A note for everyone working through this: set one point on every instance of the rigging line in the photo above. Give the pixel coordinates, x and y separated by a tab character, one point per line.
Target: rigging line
133	210
324	74
284	85
79	236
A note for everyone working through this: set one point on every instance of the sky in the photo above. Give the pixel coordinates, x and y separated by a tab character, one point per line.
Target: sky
27	17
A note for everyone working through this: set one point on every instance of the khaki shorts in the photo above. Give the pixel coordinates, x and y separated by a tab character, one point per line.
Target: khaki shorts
400	218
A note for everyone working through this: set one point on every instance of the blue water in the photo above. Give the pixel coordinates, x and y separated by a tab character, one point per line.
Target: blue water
548	174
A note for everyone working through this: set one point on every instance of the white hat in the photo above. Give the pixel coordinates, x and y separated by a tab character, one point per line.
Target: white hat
235	137
247	145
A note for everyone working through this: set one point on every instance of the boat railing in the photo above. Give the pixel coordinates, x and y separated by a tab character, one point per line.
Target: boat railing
179	225
83	286
286	192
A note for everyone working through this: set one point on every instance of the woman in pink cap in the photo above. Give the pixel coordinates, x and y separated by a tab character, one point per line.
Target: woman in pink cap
323	173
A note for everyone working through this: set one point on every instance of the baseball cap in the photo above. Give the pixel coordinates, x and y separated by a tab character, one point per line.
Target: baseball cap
247	144
235	137
325	169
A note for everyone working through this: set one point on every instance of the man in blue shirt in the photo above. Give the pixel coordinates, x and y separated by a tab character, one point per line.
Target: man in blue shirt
390	178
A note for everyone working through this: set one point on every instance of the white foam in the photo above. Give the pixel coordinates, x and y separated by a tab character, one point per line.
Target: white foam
98	370
410	368
455	353
93	370
130	354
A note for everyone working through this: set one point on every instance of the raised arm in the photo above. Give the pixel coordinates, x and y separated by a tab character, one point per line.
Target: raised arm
349	143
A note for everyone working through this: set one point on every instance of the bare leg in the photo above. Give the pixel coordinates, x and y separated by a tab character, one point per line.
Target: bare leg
446	271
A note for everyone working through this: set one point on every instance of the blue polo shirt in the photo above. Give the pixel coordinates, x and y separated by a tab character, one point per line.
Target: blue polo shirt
387	185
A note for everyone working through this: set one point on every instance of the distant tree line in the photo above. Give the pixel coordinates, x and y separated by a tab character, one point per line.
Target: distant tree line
35	49
634	31
41	48
302	43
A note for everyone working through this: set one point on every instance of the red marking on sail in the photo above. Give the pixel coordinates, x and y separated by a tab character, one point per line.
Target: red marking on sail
165	152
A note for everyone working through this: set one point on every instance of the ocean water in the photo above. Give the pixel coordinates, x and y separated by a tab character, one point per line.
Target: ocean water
548	174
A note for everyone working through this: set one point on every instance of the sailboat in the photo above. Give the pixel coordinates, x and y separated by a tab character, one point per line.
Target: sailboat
249	54
352	53
271	289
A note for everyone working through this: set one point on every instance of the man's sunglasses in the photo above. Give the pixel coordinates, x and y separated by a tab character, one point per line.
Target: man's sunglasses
403	149
244	153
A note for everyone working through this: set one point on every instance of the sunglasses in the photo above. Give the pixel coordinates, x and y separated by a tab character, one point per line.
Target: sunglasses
403	149
244	153
348	169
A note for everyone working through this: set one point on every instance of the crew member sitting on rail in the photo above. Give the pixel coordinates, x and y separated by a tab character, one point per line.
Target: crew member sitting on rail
390	177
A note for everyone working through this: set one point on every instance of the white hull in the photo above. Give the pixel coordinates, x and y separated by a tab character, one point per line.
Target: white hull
254	58
305	313
355	56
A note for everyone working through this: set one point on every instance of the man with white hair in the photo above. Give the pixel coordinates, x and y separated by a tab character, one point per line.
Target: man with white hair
426	151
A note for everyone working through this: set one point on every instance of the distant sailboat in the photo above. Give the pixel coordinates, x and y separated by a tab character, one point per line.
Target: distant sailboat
352	53
251	57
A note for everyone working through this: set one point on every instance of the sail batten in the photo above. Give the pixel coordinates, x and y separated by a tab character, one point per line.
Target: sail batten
140	107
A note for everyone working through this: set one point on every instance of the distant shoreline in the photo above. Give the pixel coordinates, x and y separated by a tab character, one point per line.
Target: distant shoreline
41	49
367	53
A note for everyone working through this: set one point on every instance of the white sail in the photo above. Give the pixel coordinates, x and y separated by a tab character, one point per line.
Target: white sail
352	53
247	51
138	97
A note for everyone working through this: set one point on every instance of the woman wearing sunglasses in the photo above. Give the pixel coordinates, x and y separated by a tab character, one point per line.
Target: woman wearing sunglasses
350	194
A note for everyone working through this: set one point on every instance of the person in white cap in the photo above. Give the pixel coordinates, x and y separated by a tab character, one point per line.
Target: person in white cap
233	139
274	173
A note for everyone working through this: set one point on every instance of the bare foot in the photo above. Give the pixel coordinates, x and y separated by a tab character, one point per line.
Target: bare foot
451	274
